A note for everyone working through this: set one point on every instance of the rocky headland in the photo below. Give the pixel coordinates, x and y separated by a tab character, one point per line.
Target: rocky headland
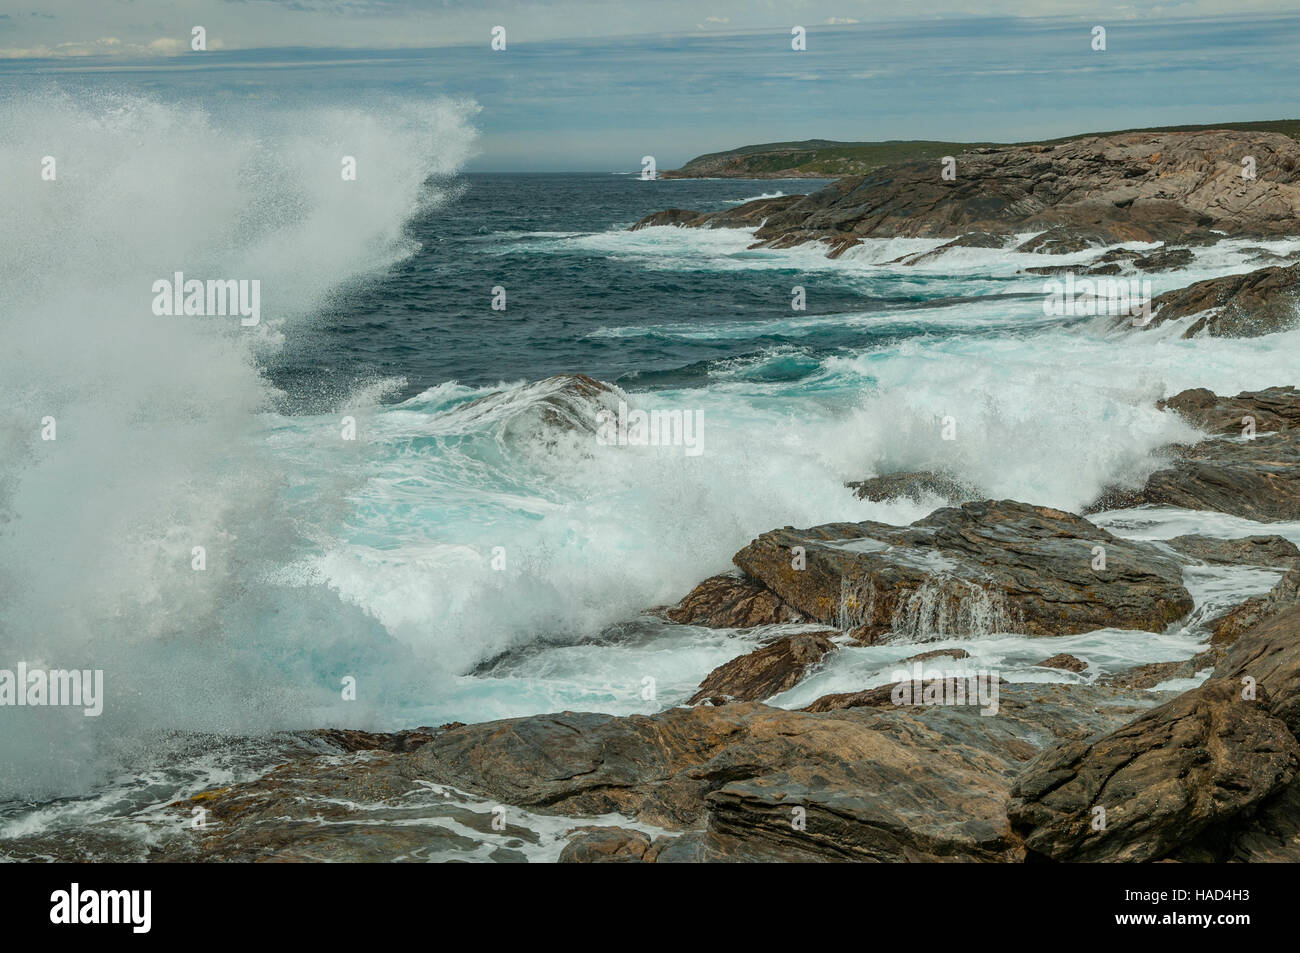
1179	188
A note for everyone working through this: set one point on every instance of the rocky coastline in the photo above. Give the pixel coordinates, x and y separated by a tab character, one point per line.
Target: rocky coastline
1133	767
1116	769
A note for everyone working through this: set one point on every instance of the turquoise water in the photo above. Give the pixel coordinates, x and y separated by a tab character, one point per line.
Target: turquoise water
466	562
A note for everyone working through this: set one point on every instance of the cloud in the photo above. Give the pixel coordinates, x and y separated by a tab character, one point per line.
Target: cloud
104	46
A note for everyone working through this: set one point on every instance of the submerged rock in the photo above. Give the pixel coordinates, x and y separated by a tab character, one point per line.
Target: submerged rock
566	403
1274	551
768	671
914	485
1239	306
974	569
1065	662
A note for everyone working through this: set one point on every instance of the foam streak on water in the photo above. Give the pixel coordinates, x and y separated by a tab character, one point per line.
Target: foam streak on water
378	558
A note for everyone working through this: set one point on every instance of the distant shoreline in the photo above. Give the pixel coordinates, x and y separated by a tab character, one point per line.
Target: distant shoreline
831	159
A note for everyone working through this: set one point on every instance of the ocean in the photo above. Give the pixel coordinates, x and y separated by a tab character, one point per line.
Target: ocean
469	553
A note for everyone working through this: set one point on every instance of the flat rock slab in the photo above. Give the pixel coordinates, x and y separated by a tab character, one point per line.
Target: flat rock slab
971	570
913	782
1272	551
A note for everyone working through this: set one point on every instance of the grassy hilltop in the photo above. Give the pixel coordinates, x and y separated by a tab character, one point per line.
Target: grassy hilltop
826	158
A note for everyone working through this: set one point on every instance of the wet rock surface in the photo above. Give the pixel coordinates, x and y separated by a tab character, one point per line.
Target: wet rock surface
732	600
1273	551
1253	474
1272	409
1065	662
1139	792
1227	628
1268	654
987	566
1240	306
1100	190
1257	479
914	485
889	783
768	671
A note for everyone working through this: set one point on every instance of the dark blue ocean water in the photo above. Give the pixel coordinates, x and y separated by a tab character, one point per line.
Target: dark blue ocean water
430	319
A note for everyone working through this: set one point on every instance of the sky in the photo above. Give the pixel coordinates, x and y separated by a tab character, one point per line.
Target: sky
594	86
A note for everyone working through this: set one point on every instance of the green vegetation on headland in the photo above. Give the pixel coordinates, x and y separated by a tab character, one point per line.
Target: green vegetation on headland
826	158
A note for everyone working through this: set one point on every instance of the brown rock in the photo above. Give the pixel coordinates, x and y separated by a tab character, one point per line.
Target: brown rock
1256	479
878	697
1199	760
937	653
1164	259
606	845
1239	306
1273	551
350	739
914	485
1227	628
982	567
1276	408
1143	677
906	694
914	783
767	671
1097	190
1269	653
731	600
1066	662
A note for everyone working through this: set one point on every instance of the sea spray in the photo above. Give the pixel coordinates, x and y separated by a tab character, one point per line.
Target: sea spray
160	429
